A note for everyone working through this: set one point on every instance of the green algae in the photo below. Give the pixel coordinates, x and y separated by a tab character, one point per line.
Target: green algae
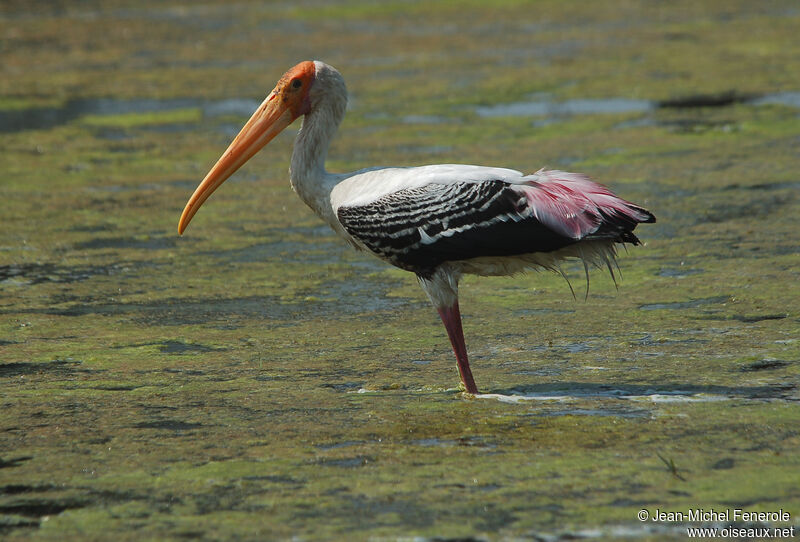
258	379
130	120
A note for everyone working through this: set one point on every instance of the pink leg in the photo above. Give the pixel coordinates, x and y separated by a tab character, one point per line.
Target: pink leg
451	317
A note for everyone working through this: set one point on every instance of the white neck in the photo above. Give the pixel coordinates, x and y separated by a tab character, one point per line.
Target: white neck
307	173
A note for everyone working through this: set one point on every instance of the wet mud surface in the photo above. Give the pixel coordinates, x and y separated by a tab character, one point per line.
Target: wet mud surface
258	379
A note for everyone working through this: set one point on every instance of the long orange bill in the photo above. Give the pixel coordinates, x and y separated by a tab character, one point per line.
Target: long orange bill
269	119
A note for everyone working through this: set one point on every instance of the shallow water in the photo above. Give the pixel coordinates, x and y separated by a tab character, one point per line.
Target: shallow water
38	118
44	118
542	108
258	379
626	105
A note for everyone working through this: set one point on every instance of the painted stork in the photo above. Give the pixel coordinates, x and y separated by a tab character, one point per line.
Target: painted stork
437	221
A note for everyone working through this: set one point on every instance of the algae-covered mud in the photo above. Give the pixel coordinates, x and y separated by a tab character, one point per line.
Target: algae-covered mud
257	379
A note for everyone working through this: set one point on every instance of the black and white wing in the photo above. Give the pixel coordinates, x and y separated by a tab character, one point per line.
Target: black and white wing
420	227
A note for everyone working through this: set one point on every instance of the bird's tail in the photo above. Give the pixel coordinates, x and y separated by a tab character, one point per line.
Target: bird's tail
575	206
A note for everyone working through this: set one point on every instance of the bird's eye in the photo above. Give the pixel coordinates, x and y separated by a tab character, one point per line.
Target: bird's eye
297	83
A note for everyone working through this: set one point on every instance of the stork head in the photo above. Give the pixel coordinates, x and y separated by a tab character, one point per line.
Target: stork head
292	97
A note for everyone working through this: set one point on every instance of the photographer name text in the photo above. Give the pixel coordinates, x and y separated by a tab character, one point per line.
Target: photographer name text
703	515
